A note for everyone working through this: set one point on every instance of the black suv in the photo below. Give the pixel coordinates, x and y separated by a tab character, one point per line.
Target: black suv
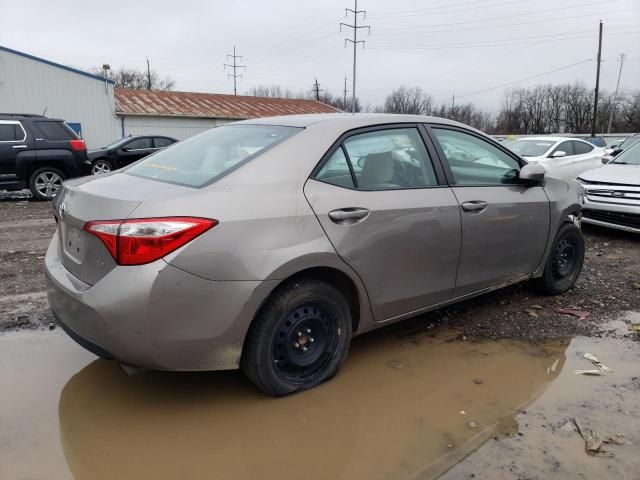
39	153
125	151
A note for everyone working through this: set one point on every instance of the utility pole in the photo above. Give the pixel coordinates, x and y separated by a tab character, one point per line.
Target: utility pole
615	95
148	75
234	66
453	104
595	101
317	89
344	93
355	27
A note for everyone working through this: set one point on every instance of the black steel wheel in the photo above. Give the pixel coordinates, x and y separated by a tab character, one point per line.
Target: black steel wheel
299	339
564	262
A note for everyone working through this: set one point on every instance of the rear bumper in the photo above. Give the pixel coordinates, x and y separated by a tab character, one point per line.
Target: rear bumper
155	316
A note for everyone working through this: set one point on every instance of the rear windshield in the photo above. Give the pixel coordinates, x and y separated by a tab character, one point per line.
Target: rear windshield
205	158
56	131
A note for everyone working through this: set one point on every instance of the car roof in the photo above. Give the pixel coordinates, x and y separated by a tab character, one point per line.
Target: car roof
13	116
551	139
347	120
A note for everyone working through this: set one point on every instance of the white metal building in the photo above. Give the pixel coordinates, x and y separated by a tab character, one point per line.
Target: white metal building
102	113
30	84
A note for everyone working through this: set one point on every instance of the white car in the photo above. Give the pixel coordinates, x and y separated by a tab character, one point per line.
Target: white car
613	192
564	158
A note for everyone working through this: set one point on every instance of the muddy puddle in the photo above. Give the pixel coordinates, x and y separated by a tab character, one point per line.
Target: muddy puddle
393	412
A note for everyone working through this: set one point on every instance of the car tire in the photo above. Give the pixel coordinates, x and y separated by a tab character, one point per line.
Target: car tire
299	338
45	182
100	166
564	262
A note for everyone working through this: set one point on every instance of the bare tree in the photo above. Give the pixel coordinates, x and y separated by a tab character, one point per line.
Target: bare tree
137	79
408	100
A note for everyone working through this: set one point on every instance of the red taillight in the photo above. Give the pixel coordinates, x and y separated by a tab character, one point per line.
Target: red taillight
77	145
144	240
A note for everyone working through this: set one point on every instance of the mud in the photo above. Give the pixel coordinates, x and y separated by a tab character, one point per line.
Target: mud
393	412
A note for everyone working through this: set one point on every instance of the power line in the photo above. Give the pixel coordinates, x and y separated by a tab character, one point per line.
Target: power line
570	7
437	7
355	27
489	44
411	13
235	68
520	80
419	29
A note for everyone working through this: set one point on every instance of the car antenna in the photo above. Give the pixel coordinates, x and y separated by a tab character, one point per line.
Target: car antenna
45	110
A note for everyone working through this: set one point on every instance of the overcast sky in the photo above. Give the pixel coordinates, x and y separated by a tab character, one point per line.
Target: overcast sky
446	47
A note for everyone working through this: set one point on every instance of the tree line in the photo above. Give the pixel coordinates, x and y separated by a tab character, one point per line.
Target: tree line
564	108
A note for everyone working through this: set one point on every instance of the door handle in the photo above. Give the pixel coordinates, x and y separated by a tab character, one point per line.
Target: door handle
476	206
348	215
19	146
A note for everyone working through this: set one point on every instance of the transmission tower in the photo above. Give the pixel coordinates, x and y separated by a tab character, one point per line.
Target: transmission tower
235	67
355	27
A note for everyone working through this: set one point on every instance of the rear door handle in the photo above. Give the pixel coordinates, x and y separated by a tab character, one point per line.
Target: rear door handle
348	215
19	146
476	206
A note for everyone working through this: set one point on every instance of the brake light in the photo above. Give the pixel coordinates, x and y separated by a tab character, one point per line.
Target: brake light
144	240
77	145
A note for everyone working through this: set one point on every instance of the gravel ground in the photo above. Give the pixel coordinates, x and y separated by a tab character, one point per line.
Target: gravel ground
609	284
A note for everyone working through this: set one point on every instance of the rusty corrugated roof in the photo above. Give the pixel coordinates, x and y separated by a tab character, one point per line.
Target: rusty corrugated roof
211	105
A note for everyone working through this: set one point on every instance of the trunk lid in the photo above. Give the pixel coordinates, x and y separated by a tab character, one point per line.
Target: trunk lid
104	197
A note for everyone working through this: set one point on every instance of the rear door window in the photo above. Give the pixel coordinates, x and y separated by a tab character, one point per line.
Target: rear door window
390	159
161	142
566	147
580	148
139	144
205	158
55	131
11	132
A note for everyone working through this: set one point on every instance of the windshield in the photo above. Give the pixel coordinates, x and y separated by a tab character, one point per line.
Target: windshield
207	157
117	143
630	156
629	141
530	148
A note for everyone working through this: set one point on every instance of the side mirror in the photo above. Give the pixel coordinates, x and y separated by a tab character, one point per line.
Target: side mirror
558	154
533	173
606	159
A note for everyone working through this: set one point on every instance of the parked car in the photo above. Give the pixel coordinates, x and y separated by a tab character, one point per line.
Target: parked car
267	244
597	141
613	192
626	143
126	151
38	153
564	158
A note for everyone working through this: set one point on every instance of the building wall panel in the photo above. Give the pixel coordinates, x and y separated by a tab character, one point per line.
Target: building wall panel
31	86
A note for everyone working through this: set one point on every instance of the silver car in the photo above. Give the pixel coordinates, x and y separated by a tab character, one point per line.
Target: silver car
613	192
268	244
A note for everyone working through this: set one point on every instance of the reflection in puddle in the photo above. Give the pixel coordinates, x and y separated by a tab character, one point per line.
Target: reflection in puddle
392	412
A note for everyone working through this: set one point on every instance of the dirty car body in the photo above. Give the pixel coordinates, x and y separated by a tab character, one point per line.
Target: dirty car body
300	231
613	192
